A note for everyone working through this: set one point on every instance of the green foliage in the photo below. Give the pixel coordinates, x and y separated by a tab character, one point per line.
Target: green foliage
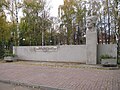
106	56
74	12
119	61
9	53
34	22
1	50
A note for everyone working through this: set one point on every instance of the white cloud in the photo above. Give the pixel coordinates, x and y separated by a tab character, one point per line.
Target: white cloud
55	4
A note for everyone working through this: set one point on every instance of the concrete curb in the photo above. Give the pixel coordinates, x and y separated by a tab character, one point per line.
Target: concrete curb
41	87
57	65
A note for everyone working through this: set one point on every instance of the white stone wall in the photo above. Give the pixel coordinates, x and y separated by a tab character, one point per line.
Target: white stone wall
109	49
91	43
63	53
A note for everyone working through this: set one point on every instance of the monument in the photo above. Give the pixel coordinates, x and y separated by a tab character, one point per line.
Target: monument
91	40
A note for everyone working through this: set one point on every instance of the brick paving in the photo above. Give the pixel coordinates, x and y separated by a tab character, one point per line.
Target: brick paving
61	77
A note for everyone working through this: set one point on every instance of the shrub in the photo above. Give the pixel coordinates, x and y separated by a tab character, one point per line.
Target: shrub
8	53
106	56
1	50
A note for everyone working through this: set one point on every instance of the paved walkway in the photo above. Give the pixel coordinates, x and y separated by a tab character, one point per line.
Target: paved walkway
66	78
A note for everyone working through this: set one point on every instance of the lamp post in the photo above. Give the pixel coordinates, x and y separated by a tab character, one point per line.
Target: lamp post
23	41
